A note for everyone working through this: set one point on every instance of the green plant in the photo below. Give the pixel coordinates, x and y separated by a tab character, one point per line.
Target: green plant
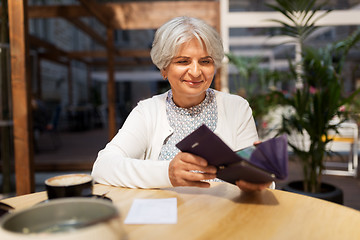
314	107
255	83
319	98
301	16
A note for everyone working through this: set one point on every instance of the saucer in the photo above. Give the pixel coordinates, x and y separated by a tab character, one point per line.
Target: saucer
100	197
5	208
95	196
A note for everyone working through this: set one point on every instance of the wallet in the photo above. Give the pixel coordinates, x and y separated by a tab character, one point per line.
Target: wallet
265	162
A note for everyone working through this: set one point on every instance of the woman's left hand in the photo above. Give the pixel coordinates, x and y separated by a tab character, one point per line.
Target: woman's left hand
252	187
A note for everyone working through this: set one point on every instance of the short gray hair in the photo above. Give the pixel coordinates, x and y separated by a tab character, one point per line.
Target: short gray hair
177	31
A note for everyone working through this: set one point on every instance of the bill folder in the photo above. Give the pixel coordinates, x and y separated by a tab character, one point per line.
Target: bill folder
265	162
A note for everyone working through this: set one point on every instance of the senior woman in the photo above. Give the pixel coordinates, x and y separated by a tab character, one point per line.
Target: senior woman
143	154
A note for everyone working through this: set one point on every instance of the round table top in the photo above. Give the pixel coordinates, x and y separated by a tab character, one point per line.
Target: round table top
224	212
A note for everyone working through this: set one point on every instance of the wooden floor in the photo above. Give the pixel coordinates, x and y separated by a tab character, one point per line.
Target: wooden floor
78	150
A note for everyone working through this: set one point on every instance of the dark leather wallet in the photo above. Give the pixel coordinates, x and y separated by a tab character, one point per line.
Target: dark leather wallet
231	166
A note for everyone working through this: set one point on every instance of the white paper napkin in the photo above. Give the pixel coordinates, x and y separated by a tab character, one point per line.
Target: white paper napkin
153	211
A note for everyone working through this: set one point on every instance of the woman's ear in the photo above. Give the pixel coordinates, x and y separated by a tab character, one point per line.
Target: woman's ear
163	74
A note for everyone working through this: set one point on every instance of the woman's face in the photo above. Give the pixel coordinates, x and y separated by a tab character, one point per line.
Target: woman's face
190	74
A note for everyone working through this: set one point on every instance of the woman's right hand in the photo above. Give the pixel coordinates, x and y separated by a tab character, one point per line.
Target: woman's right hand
187	169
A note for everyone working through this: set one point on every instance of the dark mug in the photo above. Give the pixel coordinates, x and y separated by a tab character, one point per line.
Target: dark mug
69	185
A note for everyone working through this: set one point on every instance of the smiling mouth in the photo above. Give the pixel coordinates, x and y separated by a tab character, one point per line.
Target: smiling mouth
193	82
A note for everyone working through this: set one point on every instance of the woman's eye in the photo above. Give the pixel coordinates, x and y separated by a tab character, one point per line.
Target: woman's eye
207	61
182	61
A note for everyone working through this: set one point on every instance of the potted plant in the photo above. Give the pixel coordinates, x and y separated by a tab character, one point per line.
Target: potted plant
252	82
318	95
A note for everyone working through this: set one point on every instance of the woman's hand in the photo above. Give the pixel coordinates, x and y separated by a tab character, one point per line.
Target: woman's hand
252	187
187	169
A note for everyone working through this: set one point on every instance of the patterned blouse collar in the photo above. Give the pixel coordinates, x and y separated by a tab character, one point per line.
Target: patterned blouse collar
209	95
185	120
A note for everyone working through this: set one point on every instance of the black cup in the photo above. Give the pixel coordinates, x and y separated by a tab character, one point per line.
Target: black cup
69	185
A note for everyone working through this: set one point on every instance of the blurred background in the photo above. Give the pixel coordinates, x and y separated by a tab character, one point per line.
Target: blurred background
89	64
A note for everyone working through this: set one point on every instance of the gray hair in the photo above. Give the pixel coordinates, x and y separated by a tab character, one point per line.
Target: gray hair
177	31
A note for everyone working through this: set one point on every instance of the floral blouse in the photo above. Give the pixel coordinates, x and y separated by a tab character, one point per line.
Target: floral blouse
185	120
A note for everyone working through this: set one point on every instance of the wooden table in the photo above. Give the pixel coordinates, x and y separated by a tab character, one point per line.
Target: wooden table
224	212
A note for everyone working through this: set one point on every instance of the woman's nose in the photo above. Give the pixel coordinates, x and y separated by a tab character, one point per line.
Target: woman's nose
194	69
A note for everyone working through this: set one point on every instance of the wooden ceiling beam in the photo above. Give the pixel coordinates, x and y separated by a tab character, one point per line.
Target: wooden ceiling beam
52	52
62	56
125	16
61	11
49	47
152	14
122	63
54	58
101	13
136	53
87	54
87	30
132	15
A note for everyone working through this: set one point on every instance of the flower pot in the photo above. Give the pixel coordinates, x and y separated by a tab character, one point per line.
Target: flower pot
328	192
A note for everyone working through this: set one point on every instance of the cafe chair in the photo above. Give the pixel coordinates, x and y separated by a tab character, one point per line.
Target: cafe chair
345	149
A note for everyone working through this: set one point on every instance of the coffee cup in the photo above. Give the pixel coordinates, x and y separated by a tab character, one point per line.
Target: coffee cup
69	185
